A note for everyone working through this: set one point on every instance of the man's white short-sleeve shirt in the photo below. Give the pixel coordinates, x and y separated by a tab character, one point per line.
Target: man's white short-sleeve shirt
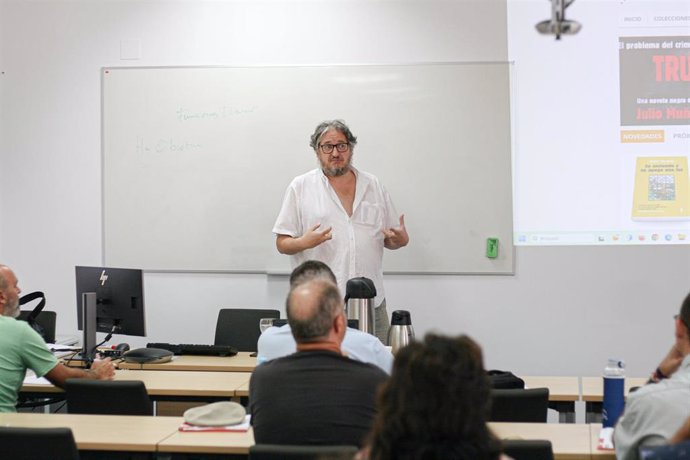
356	248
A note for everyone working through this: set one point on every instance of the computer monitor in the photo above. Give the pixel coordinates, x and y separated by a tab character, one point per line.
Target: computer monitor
109	300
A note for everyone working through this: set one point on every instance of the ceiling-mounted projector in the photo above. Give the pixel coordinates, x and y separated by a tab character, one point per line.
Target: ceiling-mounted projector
558	25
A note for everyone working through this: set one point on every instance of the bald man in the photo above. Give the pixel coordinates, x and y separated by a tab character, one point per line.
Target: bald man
276	342
316	395
21	348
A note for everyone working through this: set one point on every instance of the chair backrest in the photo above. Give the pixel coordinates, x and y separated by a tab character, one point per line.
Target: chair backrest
666	452
114	397
45	319
353	323
38	443
278	452
239	327
517	405
522	449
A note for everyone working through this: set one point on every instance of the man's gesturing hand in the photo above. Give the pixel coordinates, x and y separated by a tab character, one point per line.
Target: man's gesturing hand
395	238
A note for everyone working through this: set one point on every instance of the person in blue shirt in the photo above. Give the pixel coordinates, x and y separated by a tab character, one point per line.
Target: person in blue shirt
276	342
316	395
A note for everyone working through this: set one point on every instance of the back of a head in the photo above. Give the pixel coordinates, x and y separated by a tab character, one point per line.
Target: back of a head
435	403
310	270
685	312
311	308
4	282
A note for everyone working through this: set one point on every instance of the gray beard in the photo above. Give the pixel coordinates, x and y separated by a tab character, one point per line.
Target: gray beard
12	312
335	172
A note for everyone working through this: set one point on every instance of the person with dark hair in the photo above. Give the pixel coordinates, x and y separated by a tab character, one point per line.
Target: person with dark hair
657	411
317	395
435	405
276	342
22	348
311	270
341	216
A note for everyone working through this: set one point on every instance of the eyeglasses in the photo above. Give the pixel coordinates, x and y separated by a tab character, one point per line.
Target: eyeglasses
340	147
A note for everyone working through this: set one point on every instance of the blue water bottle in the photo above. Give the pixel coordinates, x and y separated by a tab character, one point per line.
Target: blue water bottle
614	392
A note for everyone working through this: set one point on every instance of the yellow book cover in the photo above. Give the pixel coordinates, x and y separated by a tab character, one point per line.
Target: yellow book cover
661	191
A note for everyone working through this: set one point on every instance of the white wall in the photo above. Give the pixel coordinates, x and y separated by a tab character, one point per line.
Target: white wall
564	312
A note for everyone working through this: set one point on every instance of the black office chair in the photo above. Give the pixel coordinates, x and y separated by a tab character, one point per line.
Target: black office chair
666	452
38	443
522	449
239	327
45	319
113	397
519	405
353	323
278	452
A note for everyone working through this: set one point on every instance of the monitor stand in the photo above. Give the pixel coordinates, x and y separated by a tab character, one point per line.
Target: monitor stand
88	315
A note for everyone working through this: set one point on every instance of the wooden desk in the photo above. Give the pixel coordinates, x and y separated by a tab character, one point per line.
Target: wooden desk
570	441
172	384
241	362
208	443
593	394
149	434
593	387
560	388
122	433
243	389
563	392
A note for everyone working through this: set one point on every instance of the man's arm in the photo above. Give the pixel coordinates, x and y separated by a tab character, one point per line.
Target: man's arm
668	365
396	238
683	434
289	245
101	370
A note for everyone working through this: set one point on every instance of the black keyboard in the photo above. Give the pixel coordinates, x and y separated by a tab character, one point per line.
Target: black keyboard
199	350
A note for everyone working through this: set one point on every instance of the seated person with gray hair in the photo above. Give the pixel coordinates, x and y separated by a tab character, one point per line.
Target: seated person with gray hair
655	413
317	395
276	342
21	348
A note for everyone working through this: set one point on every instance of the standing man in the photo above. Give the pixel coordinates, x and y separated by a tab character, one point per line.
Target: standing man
341	216
21	348
655	412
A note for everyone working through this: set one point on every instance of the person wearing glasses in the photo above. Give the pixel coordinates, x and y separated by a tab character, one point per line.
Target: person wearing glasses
341	216
656	411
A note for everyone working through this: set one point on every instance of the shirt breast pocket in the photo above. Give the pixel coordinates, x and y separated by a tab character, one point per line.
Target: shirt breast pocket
372	215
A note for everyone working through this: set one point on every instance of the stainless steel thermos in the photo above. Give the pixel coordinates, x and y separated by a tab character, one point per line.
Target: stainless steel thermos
359	302
401	332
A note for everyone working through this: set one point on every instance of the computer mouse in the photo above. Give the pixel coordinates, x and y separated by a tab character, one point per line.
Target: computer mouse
122	347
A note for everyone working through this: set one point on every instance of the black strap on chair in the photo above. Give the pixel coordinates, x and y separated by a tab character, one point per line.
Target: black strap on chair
37	309
31	319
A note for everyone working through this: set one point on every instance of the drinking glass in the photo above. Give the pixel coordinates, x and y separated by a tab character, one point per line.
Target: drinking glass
265	323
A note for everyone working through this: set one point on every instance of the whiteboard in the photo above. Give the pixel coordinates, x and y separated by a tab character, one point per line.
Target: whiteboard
196	160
